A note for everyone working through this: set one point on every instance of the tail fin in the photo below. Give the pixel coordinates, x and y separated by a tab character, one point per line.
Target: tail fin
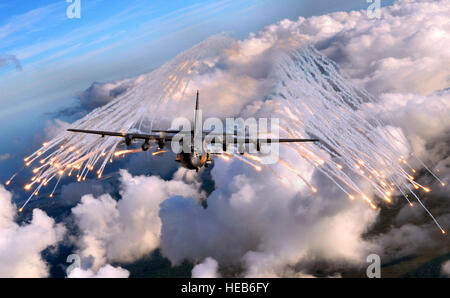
196	110
198	141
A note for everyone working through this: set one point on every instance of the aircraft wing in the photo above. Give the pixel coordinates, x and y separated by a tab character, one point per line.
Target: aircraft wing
237	140
133	136
158	137
170	131
185	132
247	141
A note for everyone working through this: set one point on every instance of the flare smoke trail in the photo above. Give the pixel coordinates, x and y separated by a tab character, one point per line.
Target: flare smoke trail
306	92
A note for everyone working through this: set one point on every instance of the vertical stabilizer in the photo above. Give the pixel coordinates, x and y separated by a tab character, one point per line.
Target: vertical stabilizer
196	111
198	127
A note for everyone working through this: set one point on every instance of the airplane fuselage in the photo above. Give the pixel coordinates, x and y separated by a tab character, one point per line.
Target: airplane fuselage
193	161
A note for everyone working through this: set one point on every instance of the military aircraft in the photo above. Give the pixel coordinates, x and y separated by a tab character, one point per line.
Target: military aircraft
194	159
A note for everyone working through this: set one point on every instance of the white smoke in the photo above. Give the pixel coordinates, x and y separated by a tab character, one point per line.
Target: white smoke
21	245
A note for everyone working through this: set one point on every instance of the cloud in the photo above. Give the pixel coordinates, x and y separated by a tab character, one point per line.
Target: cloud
106	271
55	127
406	240
424	122
207	269
446	268
5	156
99	94
127	229
71	193
404	51
21	245
6	59
424	119
26	20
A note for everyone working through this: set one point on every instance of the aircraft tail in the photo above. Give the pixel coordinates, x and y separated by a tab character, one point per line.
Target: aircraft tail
196	111
197	127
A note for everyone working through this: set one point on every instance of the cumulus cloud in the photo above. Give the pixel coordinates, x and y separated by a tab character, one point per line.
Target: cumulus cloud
55	127
21	245
207	269
127	229
106	271
425	120
406	240
99	94
406	50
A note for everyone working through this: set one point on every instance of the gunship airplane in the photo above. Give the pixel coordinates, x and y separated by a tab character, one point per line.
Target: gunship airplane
195	159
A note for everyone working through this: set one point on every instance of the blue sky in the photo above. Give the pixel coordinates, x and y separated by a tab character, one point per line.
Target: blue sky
112	40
